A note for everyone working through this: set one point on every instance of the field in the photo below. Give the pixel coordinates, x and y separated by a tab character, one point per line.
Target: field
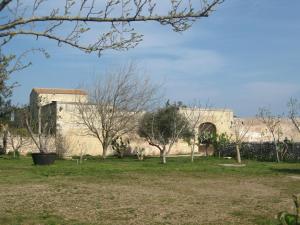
128	191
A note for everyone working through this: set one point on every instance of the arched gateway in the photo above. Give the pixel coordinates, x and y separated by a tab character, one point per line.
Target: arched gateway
207	131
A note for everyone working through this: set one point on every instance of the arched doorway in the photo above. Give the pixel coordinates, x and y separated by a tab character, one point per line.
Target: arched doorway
207	131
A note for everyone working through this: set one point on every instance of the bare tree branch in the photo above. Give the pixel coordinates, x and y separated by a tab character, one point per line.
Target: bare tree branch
4	3
294	108
240	130
85	14
115	105
273	125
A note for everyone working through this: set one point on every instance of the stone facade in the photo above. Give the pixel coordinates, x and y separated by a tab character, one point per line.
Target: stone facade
62	103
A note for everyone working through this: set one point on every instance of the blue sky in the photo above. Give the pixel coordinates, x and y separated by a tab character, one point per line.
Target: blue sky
244	56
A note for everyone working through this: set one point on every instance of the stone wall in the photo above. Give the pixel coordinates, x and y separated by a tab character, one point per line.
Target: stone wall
79	140
259	133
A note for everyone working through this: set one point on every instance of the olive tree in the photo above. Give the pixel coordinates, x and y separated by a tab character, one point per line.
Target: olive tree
115	103
163	128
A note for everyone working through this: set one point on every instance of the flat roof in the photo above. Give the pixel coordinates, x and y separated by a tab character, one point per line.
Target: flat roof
59	91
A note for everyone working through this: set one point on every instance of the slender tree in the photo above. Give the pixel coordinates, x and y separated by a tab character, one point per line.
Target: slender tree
294	109
272	123
196	114
40	128
240	130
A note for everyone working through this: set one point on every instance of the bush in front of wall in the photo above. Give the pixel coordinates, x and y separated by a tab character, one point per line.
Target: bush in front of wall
120	147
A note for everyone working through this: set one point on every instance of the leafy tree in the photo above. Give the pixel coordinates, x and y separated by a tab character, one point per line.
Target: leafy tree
8	65
120	146
5	88
220	142
5	102
164	127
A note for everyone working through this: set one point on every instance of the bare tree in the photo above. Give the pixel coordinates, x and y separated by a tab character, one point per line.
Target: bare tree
41	128
69	22
196	114
115	105
272	123
294	109
240	130
18	138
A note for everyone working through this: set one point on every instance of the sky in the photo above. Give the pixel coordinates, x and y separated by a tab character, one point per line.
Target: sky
245	55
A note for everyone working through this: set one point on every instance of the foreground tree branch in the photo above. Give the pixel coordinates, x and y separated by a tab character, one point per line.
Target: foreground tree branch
110	22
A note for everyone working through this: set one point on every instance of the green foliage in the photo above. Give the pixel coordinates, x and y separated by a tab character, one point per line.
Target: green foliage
14	154
23	132
206	138
220	142
65	178
140	153
119	146
5	88
287	219
164	124
290	219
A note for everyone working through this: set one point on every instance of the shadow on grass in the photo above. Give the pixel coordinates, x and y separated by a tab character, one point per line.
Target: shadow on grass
286	170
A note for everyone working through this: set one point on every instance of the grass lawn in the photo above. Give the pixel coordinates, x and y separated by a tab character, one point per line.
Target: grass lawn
127	191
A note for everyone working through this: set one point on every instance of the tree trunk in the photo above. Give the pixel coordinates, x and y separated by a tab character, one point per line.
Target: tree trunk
206	149
238	154
276	151
163	156
4	140
41	144
192	152
104	152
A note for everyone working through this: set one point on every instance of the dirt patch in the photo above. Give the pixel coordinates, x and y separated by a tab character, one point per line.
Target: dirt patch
150	200
295	177
232	165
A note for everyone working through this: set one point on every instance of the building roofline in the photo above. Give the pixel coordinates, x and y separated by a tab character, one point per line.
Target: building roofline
58	91
207	109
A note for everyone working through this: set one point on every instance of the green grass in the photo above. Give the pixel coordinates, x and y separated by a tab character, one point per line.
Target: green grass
128	191
22	170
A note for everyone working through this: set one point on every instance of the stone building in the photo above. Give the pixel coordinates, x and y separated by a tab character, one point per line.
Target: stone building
62	104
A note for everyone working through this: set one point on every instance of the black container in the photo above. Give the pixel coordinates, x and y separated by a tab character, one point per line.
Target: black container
43	158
